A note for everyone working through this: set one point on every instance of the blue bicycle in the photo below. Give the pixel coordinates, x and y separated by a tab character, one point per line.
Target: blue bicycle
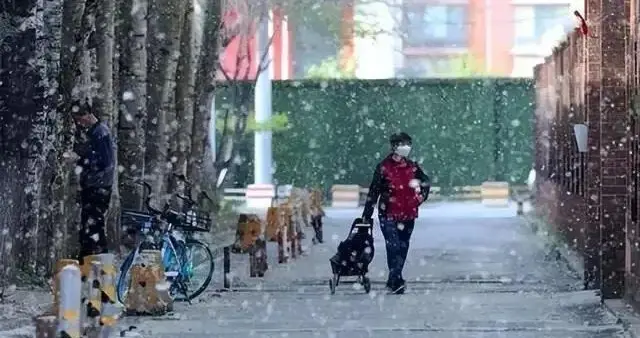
172	233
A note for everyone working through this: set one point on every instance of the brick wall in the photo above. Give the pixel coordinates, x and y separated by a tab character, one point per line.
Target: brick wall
632	252
589	198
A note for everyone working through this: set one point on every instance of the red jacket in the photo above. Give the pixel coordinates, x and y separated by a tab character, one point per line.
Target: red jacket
399	187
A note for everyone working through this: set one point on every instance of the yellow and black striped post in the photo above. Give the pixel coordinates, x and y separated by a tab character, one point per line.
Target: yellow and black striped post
69	302
93	286
110	308
91	304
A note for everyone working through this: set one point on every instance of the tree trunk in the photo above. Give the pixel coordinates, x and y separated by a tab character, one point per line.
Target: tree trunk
154	88
115	209
163	124
205	84
21	137
105	34
74	40
185	89
49	231
132	60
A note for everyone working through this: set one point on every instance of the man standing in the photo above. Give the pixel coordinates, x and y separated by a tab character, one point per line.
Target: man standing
97	164
401	187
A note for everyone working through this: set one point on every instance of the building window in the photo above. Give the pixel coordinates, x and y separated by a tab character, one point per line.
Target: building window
435	25
427	66
532	22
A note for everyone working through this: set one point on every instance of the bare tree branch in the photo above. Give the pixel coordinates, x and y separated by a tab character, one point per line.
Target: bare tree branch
223	71
249	58
264	63
241	56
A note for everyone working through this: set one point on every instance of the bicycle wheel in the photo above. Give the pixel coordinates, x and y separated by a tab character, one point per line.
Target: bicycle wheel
124	280
198	268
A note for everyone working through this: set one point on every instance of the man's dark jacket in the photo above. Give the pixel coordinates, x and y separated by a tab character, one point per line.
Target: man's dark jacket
98	162
401	186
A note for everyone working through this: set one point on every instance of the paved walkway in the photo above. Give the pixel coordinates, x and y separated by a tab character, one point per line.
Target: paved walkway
472	272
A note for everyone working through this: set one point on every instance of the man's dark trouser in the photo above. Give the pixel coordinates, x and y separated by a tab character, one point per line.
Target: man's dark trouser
316	222
93	237
397	235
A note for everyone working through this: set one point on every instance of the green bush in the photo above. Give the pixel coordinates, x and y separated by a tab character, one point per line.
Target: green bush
465	130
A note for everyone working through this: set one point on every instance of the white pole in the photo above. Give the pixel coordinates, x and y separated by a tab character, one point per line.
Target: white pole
262	148
212	128
69	307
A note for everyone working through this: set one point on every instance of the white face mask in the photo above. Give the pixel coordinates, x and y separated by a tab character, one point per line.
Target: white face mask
403	150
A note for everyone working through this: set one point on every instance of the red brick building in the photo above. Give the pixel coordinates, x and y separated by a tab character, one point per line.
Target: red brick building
591	198
240	57
502	37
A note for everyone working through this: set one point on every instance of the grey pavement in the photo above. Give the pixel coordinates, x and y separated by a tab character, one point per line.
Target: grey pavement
472	271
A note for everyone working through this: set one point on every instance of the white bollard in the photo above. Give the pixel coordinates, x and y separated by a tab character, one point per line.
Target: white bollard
60	264
70	302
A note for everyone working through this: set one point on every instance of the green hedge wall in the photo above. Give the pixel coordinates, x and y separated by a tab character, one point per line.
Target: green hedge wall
465	131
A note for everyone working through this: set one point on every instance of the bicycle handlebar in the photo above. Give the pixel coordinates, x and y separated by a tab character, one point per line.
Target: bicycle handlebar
206	196
187	196
186	199
189	184
183	179
147	200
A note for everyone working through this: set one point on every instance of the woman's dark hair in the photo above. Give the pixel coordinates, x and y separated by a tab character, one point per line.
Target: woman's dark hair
400	138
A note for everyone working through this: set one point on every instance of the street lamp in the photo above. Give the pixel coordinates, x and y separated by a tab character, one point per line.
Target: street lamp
580	132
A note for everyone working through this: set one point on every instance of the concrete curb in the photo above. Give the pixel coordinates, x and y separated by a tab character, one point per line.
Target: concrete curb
626	316
553	247
624	313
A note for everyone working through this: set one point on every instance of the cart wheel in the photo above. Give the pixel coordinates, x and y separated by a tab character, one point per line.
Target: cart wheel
366	283
332	286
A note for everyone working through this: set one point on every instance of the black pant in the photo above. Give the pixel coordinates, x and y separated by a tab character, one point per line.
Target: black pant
397	235
316	222
93	237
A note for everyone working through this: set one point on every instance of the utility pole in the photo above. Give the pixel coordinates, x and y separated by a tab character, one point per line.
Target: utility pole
262	159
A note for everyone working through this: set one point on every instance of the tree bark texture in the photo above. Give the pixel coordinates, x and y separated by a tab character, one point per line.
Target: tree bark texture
185	90
163	124
205	85
104	100
132	122
153	88
21	102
